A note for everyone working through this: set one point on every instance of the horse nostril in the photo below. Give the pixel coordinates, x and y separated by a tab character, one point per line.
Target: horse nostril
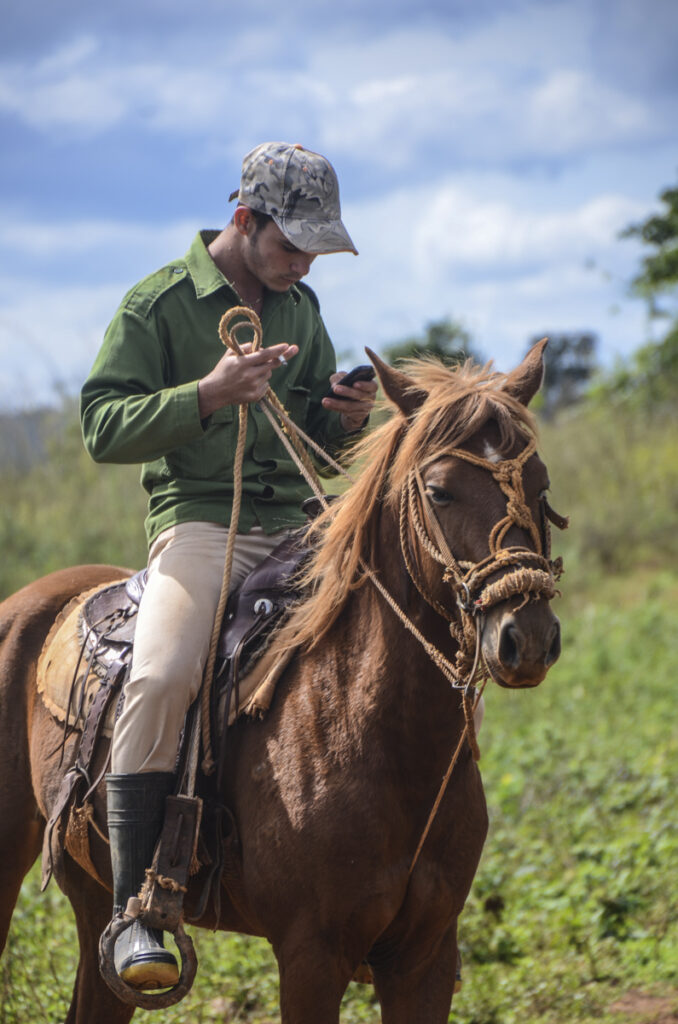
510	644
553	652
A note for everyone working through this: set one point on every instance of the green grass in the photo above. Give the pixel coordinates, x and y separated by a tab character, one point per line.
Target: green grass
576	899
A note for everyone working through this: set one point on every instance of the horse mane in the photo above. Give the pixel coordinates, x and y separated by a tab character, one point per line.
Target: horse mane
459	401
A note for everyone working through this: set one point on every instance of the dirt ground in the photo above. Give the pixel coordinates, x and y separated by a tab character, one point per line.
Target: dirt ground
642	1008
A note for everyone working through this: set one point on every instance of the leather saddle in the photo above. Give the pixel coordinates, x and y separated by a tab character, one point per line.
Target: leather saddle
260	603
107	626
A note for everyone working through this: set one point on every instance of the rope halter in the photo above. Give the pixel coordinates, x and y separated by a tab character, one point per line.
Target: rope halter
478	586
504	573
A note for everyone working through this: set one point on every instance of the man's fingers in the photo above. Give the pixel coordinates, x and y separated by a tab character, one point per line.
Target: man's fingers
273	354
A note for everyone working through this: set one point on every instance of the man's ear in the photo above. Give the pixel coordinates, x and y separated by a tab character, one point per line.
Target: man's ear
243	220
397	386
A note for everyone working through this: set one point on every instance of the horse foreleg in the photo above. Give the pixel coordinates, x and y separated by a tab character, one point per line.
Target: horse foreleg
416	985
92	999
313	979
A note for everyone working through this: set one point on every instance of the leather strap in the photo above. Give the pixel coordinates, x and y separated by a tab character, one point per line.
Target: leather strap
80	769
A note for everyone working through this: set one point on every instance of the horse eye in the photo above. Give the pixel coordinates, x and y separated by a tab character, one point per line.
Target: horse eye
438	495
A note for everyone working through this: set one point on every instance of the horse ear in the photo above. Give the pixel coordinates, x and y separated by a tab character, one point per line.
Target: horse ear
397	386
524	382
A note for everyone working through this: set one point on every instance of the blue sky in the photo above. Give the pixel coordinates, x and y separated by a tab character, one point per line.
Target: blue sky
488	154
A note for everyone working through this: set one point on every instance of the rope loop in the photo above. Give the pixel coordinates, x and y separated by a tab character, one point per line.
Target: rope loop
293	438
250	321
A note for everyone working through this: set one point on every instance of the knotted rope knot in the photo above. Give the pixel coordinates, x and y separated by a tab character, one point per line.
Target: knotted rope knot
164	881
518	512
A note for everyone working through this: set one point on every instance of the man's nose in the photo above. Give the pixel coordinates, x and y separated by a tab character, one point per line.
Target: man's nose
301	263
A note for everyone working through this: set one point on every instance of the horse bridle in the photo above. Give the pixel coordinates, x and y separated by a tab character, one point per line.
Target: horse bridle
504	573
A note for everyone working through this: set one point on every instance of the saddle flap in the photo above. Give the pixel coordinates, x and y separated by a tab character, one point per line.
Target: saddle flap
269	590
109	615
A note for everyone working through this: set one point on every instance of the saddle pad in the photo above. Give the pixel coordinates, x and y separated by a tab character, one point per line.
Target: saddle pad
61	655
59	658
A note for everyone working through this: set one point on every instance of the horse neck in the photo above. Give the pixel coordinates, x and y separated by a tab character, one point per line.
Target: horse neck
400	682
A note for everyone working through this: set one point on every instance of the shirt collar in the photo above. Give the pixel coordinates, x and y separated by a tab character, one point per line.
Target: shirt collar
206	276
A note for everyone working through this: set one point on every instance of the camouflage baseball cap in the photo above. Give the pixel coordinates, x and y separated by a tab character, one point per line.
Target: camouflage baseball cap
300	191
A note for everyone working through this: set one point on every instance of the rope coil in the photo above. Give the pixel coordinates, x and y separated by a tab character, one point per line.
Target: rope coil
293	439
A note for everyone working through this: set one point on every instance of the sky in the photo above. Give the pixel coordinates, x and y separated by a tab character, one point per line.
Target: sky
489	154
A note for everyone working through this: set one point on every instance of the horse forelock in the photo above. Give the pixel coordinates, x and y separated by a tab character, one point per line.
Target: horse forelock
459	403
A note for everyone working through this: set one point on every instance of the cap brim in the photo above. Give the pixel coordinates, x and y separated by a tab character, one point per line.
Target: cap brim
316	238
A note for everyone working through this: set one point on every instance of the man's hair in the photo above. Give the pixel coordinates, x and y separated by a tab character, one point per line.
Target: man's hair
260	219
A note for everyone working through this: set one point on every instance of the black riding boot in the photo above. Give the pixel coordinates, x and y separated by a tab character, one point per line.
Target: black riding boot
136	811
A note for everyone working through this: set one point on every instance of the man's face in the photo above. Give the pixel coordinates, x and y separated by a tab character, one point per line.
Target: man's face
274	260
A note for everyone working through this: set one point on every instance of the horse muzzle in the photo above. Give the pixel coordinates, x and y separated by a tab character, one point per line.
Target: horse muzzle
520	646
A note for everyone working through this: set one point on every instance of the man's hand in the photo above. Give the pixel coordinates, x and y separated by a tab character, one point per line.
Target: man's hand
236	380
354	403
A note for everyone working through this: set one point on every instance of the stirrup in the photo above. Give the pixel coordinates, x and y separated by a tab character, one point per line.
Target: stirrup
137	997
142	961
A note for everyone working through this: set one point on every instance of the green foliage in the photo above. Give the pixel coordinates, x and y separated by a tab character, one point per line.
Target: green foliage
65	510
614	471
659	232
651	378
576	895
446	339
569	363
648	381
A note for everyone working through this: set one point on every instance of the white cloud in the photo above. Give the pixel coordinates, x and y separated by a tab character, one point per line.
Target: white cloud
115	240
49	337
388	97
571	110
506	271
485	153
466	230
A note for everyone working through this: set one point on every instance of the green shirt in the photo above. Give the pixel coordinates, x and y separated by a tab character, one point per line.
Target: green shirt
140	402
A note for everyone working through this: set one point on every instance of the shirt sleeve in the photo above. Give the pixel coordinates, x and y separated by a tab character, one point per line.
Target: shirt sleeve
324	425
128	412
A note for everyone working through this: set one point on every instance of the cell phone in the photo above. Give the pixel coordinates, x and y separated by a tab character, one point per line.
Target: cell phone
363	372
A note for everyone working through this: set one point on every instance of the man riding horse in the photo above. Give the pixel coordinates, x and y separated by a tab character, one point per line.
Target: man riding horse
162	393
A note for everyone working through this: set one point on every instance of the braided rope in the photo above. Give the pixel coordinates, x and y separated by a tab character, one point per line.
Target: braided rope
293	438
228	337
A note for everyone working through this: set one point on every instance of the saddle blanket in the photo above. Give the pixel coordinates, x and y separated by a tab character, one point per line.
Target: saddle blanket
68	683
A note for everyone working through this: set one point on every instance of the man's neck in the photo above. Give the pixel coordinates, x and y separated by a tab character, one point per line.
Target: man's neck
225	250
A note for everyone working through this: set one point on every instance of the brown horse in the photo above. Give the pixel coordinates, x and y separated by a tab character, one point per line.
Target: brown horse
331	792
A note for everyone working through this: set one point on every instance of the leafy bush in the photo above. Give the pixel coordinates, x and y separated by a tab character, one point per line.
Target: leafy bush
615	473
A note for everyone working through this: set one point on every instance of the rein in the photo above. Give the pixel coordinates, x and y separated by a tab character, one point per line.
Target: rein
291	436
522	570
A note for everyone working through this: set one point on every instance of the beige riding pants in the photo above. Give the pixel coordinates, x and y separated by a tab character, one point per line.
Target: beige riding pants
171	644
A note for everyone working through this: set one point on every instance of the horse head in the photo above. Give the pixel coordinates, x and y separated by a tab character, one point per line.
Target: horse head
474	515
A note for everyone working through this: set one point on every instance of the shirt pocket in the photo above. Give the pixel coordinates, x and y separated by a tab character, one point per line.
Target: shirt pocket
297	402
210	457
